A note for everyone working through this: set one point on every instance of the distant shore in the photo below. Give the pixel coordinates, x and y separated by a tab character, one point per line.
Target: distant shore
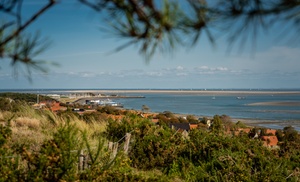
274	124
196	92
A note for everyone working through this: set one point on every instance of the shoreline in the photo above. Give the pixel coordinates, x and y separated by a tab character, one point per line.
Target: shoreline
197	92
250	122
254	122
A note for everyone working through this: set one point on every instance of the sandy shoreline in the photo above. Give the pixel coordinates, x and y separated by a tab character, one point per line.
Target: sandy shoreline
283	103
194	92
272	124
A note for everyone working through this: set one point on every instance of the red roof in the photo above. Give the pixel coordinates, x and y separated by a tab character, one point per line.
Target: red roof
270	140
55	107
193	125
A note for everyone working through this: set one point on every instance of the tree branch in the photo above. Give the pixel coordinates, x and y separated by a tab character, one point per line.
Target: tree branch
32	19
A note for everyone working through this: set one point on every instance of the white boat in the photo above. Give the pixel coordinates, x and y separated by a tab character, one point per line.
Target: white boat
108	102
105	102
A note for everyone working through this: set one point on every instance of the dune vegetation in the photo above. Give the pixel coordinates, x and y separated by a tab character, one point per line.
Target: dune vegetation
39	145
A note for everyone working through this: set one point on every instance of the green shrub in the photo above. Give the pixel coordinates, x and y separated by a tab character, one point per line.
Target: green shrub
57	157
109	110
155	147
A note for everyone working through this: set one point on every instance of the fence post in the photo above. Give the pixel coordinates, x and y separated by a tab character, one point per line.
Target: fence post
19	161
86	161
81	160
115	149
110	146
126	145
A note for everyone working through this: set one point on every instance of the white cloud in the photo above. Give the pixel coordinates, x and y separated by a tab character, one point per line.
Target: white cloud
179	68
202	68
222	69
156	74
210	70
181	74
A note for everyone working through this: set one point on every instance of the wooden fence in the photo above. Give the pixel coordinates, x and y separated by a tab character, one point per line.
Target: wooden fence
83	158
113	147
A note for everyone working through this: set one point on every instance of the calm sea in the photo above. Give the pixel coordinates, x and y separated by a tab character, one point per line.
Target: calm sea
269	115
266	114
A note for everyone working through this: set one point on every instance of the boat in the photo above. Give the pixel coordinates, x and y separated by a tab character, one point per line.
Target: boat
240	98
213	98
108	102
104	102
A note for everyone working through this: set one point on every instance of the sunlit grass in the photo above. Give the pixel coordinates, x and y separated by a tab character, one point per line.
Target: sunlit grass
31	123
32	127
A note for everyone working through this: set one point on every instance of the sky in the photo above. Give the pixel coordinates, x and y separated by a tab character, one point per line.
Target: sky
85	60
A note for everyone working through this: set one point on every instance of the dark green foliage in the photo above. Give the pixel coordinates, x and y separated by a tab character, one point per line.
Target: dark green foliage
93	116
204	120
99	157
7	104
203	155
5	134
217	125
9	160
57	158
207	155
155	147
27	97
191	119
210	157
109	110
240	124
168	117
126	174
290	134
280	135
117	129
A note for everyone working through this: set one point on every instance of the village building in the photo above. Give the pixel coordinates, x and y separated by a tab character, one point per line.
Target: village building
269	141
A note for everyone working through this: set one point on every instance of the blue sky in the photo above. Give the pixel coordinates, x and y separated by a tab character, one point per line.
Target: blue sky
82	51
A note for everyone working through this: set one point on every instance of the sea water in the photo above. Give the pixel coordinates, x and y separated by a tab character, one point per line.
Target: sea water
273	116
211	105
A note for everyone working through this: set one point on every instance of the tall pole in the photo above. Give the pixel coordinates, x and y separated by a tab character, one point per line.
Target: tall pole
37	98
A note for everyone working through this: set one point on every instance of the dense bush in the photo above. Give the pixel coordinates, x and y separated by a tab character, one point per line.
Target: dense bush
57	157
203	155
109	110
117	129
7	104
168	117
211	157
9	161
93	116
26	97
155	147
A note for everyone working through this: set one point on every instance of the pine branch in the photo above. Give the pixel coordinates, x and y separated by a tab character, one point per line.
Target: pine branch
26	24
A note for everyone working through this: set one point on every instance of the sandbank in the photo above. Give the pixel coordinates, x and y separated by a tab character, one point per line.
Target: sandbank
193	92
282	103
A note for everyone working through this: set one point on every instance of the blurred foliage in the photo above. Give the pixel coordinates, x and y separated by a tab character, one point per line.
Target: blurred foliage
109	110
